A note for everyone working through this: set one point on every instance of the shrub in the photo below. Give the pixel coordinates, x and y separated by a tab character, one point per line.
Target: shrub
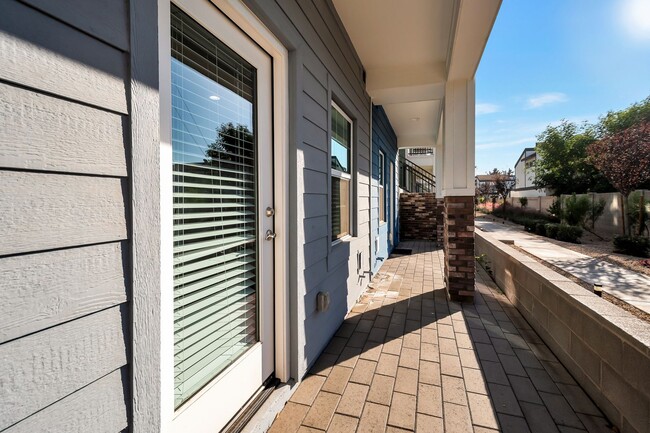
595	212
540	228
632	245
576	209
530	224
522	216
569	233
635	211
556	208
523	201
551	230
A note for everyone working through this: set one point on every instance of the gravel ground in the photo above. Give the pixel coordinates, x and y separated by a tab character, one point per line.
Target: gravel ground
603	250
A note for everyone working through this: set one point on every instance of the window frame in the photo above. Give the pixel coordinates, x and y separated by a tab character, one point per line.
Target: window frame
341	175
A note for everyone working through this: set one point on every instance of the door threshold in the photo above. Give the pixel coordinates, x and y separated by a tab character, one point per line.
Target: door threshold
241	418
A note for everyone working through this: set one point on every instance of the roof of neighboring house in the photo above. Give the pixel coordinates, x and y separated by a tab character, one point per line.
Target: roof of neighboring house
527	153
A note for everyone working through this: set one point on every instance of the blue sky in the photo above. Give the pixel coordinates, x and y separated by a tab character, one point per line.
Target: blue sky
557	59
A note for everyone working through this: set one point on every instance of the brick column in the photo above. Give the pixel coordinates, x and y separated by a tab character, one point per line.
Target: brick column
440	221
459	247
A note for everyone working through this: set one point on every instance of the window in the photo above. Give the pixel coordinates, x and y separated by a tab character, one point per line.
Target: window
341	170
382	192
214	178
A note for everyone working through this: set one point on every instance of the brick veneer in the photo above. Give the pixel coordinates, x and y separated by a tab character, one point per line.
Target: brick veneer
440	221
459	247
417	216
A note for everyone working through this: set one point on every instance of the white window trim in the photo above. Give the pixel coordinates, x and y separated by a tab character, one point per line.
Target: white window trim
343	175
239	14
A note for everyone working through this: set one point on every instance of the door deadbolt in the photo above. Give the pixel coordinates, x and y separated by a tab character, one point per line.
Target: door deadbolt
270	211
270	235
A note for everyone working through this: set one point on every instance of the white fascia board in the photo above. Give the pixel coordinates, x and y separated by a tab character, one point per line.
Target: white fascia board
473	26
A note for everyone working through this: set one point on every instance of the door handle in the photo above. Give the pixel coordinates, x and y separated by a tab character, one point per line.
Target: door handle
270	235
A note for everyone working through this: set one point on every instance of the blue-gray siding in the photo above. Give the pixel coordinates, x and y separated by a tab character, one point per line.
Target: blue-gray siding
64	254
323	67
384	139
75	284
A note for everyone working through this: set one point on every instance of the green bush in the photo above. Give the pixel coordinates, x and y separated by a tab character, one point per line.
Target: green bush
634	208
632	245
556	208
551	230
569	233
540	228
575	210
529	225
522	216
523	201
595	211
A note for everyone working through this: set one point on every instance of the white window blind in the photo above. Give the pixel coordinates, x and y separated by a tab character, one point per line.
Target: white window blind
214	181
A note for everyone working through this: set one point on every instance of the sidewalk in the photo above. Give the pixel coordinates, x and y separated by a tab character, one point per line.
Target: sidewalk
629	286
408	360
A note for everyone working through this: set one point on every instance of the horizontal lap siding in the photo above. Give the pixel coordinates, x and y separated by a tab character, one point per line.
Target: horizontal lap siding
64	255
325	64
384	139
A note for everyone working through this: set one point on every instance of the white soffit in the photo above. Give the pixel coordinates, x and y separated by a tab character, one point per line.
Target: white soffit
412	122
410	48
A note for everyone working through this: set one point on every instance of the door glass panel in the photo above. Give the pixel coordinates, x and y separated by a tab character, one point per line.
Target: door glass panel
215	221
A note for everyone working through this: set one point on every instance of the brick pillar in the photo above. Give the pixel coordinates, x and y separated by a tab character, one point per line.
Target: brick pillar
440	221
459	247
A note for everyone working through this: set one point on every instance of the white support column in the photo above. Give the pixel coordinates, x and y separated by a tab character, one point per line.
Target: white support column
458	139
439	155
458	189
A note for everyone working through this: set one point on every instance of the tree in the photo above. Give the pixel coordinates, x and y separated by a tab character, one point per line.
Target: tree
501	184
616	121
624	158
234	143
504	181
483	189
562	164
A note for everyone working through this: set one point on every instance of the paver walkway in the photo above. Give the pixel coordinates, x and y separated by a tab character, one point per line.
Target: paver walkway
629	286
406	359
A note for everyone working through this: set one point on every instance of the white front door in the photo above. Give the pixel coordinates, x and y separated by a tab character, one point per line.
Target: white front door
223	235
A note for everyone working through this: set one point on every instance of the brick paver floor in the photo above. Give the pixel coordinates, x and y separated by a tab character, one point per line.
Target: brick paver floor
406	359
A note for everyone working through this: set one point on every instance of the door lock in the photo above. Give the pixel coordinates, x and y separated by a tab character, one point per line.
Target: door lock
270	211
270	235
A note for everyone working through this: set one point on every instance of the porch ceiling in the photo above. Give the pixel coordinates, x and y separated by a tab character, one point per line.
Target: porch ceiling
411	49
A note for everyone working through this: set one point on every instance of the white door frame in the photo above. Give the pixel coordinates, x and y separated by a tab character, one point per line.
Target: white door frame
239	14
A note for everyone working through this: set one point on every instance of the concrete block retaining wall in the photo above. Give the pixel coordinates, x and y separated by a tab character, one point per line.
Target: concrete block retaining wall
606	349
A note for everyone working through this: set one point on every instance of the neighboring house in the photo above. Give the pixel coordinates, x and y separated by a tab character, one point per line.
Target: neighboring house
185	185
485	184
525	175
